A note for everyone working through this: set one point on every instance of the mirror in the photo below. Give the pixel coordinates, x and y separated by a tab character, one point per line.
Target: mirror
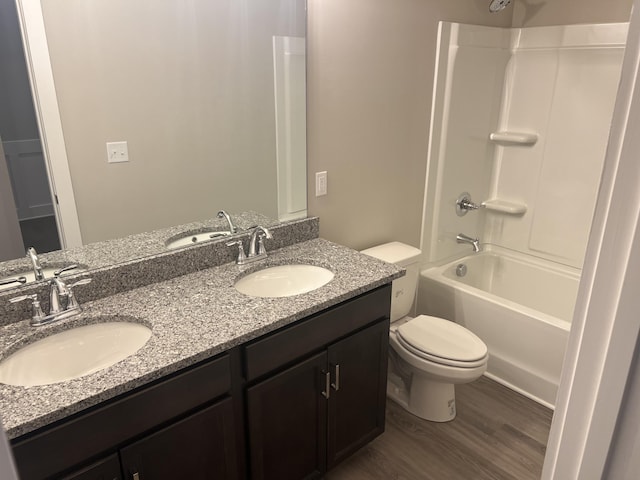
205	99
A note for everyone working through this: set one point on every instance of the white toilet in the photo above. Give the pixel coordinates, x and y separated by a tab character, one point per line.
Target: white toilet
428	355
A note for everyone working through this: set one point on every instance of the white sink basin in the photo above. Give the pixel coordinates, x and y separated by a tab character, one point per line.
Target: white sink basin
284	280
189	239
73	353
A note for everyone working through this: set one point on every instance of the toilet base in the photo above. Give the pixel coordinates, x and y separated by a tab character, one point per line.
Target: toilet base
433	401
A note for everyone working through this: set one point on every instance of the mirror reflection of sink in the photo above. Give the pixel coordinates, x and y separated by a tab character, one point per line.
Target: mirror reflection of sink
191	239
284	280
31	277
73	353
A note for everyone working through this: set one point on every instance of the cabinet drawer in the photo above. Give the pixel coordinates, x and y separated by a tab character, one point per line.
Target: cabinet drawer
106	426
297	340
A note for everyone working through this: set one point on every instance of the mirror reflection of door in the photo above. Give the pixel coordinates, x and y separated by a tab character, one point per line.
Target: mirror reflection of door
24	173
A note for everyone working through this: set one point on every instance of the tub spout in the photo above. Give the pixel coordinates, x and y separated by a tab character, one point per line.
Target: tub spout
474	242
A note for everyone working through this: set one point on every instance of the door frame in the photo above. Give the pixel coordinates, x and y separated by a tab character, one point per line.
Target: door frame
605	329
45	101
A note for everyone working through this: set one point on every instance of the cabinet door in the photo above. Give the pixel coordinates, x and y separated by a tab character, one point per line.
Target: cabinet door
358	366
201	446
106	469
287	423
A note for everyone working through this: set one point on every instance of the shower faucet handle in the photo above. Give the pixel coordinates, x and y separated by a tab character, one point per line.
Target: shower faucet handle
464	204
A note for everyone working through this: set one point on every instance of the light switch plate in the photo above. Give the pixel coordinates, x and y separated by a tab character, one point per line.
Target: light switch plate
117	152
321	183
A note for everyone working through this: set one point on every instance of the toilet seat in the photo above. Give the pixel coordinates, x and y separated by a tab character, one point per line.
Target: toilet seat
442	341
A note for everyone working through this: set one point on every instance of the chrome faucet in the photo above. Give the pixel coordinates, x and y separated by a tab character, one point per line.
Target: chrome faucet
474	242
57	289
256	246
256	242
232	227
58	309
32	255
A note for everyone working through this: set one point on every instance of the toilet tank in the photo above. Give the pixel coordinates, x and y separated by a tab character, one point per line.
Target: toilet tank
403	289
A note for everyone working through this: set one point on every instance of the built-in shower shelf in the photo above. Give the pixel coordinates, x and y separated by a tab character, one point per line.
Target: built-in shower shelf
514	138
502	206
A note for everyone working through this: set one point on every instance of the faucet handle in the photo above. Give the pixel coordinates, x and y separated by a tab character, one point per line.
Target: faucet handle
84	281
9	281
242	257
57	273
464	204
261	249
37	313
72	303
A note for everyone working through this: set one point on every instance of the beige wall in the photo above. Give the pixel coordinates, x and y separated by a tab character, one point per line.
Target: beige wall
371	65
534	13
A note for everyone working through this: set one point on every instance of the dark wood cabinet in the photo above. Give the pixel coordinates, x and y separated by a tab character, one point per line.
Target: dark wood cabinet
200	447
171	410
287	427
305	419
358	365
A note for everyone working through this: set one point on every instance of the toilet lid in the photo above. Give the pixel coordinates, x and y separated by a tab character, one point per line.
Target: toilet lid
442	341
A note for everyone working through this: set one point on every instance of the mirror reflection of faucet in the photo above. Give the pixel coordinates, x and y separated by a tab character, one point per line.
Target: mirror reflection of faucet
232	228
32	255
474	242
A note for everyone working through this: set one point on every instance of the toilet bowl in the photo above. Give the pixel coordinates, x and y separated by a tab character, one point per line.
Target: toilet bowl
428	355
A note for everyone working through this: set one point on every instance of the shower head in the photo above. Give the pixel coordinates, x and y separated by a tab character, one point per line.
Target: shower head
497	5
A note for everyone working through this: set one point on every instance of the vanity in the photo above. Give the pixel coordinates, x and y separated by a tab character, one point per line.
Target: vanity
229	385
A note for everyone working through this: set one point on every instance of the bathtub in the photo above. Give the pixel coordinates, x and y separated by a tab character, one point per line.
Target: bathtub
520	306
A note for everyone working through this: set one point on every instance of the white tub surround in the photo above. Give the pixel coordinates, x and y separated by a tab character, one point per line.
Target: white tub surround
521	122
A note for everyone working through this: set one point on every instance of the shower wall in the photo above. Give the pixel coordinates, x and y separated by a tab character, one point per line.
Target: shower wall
550	91
470	70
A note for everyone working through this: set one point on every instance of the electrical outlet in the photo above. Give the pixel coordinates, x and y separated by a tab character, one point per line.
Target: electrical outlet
117	152
321	183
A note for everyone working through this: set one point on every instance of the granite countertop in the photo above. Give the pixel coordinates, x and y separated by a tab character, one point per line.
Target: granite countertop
192	317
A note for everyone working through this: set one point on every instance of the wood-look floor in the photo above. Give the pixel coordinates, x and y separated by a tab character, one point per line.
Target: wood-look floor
497	434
